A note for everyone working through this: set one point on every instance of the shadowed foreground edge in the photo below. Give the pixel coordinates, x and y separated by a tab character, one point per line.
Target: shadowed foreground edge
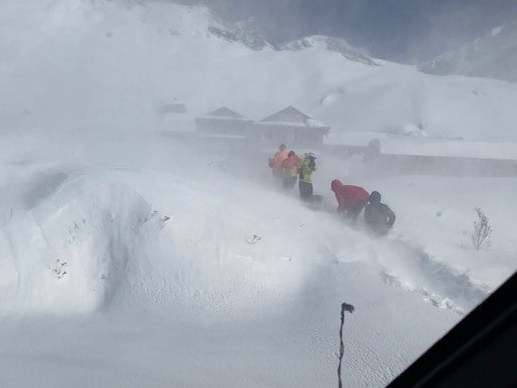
480	351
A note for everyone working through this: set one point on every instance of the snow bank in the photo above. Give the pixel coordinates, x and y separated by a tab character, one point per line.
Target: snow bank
69	253
180	298
94	241
84	240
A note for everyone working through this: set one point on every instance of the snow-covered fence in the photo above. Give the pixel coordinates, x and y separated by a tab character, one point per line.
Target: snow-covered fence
392	163
446	165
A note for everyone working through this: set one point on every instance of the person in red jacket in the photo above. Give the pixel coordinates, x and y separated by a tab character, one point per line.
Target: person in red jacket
351	199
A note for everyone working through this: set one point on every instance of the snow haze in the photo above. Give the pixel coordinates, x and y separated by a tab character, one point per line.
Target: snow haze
136	252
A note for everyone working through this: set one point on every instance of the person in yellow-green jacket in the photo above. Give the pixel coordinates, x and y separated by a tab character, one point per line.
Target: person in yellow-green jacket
307	168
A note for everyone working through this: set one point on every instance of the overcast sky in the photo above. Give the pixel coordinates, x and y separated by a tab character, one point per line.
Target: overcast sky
404	30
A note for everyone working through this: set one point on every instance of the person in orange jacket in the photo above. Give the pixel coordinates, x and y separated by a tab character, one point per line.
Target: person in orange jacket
276	162
290	168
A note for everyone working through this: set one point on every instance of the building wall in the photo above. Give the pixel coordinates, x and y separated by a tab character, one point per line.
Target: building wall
289	135
221	126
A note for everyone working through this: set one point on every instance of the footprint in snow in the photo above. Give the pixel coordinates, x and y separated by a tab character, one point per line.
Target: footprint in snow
255	238
59	269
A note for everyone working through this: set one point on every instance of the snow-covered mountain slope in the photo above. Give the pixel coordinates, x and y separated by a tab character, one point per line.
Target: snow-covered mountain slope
399	100
493	55
112	64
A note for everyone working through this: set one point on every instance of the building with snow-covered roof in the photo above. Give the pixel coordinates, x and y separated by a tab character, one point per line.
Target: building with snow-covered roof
289	126
174	107
222	121
174	117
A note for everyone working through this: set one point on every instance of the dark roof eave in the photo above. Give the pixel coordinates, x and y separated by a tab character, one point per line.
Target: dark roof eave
263	125
220	118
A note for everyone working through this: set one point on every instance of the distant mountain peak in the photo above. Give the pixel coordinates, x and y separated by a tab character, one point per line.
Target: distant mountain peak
244	32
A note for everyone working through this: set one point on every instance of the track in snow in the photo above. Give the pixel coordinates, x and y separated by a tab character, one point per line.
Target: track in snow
417	271
404	264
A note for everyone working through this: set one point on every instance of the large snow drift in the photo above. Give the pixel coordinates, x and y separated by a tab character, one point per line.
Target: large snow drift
176	230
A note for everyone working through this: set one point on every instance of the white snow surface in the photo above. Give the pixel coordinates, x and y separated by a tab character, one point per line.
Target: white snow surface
127	255
176	302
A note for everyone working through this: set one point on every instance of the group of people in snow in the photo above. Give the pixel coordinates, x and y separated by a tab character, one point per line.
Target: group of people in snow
288	167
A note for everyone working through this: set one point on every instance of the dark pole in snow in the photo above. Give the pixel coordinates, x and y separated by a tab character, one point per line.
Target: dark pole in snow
350	309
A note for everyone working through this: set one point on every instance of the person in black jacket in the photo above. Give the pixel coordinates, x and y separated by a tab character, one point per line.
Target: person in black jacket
379	218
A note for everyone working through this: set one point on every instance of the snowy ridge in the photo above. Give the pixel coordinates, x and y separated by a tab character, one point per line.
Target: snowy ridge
338	45
244	33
